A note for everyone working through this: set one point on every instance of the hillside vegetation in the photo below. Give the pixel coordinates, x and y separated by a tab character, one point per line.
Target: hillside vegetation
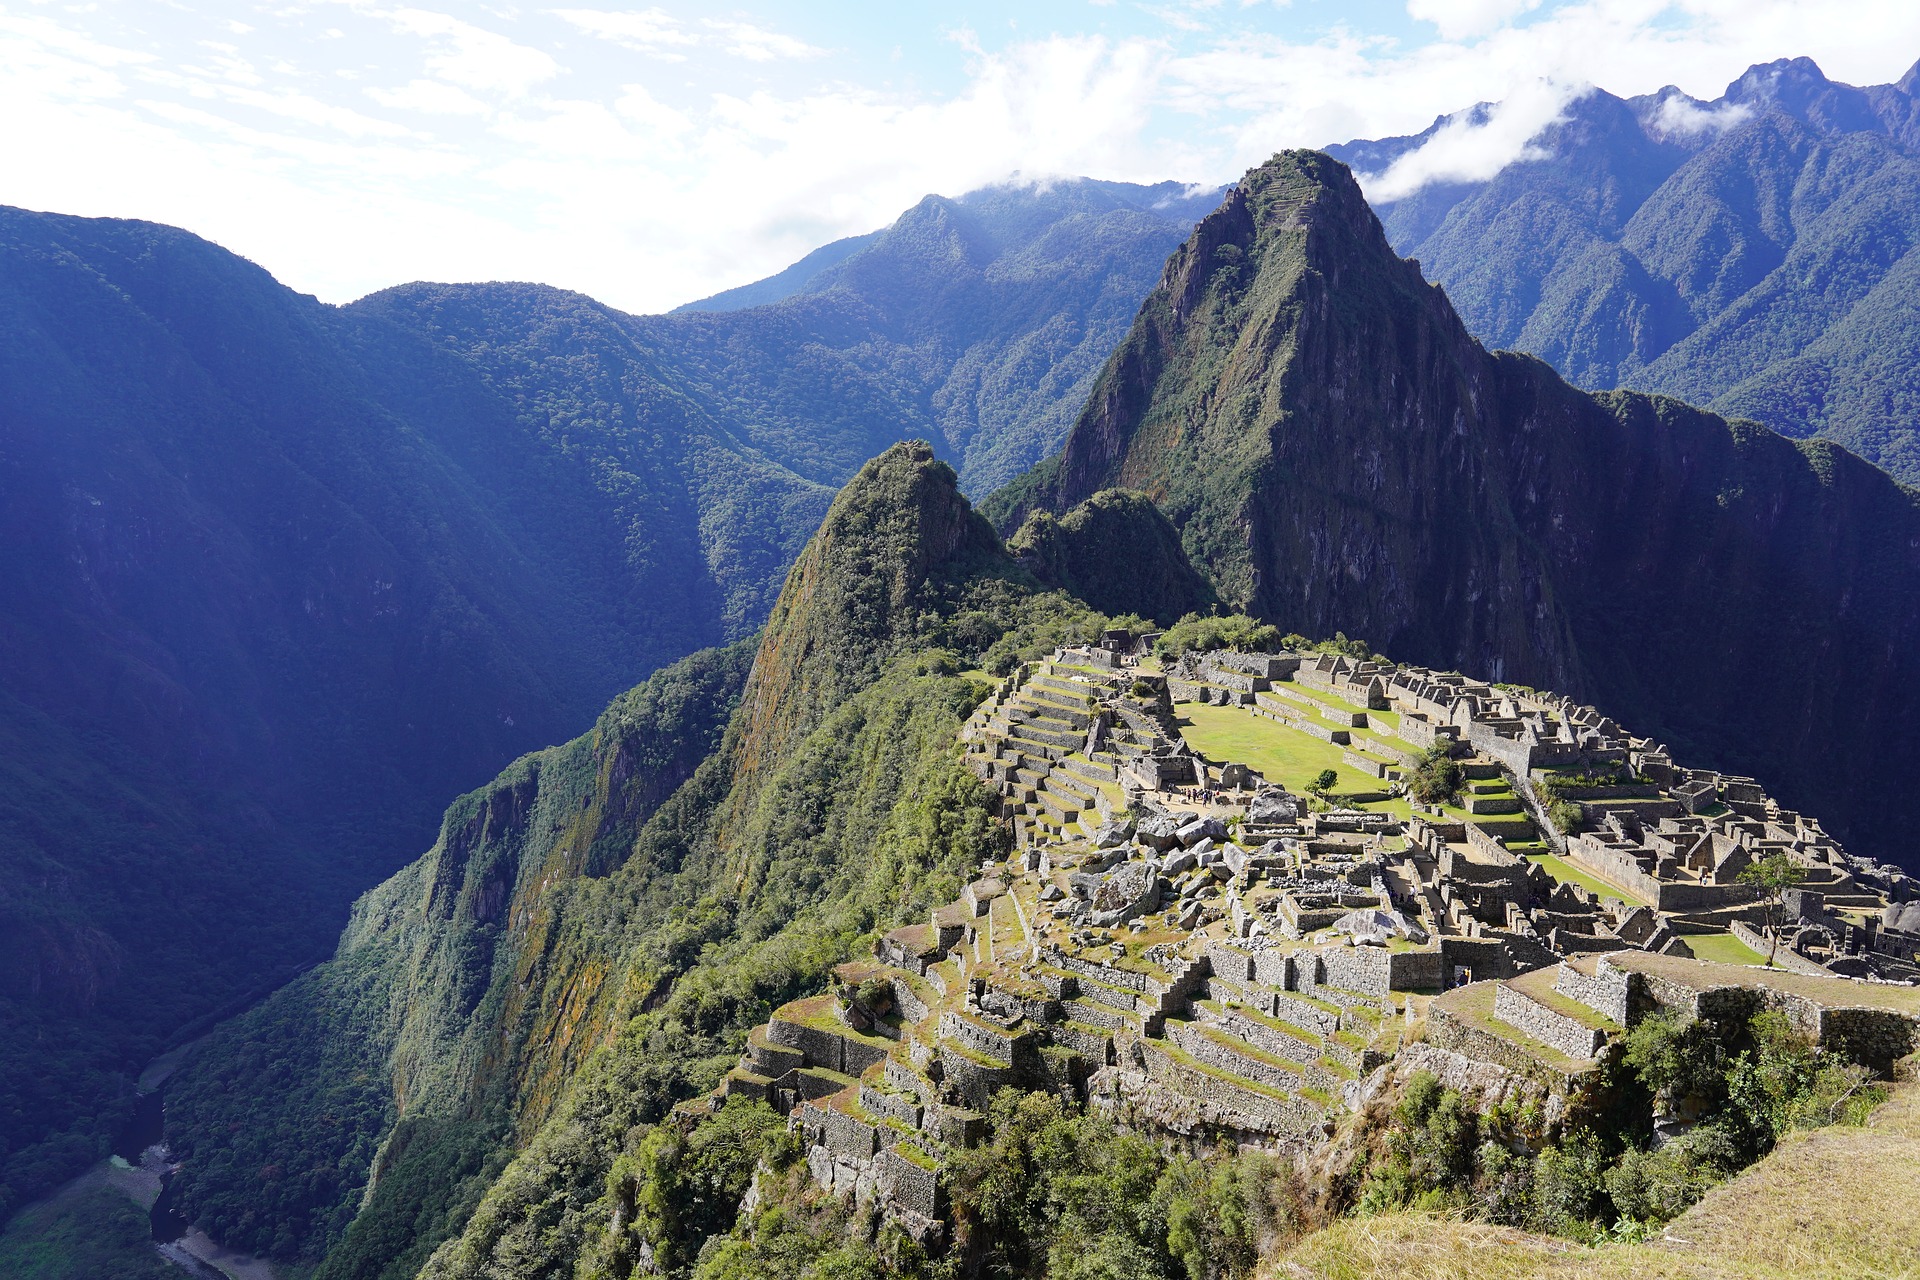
1833	1202
593	934
1755	255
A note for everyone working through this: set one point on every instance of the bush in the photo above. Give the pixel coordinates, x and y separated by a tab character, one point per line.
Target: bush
1681	1061
1196	633
1654	1186
1566	816
1437	777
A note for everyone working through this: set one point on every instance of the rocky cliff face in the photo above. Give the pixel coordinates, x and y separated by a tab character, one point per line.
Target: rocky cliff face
1338	453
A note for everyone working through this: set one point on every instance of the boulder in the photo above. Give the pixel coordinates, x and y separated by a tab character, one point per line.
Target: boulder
1377	926
1179	862
1158	833
1130	890
1200	829
1274	805
1113	833
1052	893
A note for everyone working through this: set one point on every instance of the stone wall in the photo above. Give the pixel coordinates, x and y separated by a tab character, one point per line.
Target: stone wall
1286	1115
1609	992
1302	1014
908	1185
983	1038
1446	1031
977	1082
1874	1038
1416	970
890	1106
1093	1043
905	999
1098	972
1366	970
1203	1048
1549	1026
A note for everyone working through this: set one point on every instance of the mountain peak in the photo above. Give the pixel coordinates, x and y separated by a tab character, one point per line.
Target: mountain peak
899	542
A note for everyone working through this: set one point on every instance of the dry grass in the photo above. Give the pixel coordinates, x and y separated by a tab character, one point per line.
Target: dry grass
1839	1203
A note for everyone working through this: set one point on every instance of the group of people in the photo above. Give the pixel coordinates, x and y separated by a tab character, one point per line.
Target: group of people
1199	795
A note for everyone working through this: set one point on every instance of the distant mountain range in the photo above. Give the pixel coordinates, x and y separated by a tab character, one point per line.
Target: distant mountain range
1758	254
282	577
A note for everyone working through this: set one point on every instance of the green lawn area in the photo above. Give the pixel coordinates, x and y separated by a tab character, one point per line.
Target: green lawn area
1279	754
1723	948
1560	869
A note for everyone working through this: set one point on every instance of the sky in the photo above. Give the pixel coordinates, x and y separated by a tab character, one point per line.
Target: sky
649	154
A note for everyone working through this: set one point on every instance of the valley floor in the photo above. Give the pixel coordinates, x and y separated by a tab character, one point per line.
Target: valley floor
1838	1202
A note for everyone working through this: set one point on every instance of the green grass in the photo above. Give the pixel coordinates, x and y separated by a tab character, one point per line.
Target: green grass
1276	752
1723	948
1560	869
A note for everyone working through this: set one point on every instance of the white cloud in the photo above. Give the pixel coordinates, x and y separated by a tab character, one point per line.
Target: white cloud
757	44
652	31
474	57
1473	146
430	97
1465	19
659	34
1681	116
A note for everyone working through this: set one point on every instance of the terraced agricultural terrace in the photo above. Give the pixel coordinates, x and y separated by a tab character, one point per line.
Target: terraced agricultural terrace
1188	940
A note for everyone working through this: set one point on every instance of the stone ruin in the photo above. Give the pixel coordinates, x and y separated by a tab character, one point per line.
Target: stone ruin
1248	974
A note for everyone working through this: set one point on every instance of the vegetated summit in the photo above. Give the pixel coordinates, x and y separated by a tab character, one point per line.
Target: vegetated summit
1758	254
284	576
1338	452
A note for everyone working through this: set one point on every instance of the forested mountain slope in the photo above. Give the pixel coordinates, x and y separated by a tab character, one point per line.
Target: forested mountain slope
1757	254
1338	453
593	931
977	323
282	577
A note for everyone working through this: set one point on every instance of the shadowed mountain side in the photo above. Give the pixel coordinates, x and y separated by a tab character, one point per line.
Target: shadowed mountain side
280	578
1338	453
593	931
1116	552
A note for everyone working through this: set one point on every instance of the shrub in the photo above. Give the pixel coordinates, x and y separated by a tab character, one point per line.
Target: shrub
1654	1186
1437	776
1566	816
1198	634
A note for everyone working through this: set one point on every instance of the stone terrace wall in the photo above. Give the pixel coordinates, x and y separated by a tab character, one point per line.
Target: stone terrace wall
1549	1026
1608	992
909	1185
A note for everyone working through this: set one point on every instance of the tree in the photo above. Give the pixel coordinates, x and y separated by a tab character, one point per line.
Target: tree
1323	782
1773	875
